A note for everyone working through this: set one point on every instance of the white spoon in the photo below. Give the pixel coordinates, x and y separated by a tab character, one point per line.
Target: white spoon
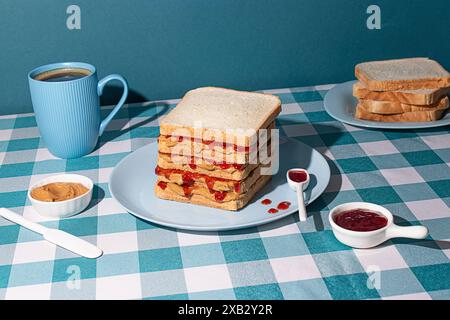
298	180
55	236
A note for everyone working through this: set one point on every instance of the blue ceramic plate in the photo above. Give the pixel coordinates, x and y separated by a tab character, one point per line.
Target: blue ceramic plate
340	103
132	181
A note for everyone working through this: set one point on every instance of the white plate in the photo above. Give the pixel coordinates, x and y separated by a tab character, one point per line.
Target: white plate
132	181
340	103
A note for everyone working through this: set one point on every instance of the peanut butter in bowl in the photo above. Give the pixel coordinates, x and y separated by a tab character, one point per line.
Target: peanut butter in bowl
58	191
61	195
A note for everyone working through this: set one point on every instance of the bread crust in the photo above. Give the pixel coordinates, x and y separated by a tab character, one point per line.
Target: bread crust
200	200
407	96
389	107
403	84
417	116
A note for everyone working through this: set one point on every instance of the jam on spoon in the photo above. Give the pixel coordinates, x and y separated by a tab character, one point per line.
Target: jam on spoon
298	175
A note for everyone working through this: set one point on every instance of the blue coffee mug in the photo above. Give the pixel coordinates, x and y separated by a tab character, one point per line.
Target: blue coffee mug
68	112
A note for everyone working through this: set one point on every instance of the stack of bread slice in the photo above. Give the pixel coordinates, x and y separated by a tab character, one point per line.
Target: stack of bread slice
208	148
403	90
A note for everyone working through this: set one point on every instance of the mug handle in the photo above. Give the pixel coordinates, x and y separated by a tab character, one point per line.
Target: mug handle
100	86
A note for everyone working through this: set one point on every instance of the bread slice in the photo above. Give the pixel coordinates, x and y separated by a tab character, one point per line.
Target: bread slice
206	183
231	172
417	97
196	146
402	74
181	177
416	116
232	205
219	155
225	114
388	107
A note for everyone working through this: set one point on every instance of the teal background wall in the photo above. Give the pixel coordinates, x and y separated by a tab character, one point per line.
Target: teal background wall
165	47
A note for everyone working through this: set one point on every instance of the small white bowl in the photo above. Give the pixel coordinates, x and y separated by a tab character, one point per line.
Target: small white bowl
369	239
64	208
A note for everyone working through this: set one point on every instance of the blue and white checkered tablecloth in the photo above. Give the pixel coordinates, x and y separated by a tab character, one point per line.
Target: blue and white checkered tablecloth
406	171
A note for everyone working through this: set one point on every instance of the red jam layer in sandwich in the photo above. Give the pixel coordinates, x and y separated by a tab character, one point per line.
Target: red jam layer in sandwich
210	143
221	165
190	177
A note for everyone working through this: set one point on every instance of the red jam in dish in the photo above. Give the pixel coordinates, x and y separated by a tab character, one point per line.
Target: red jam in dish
284	205
298	175
266	202
162	185
272	211
360	220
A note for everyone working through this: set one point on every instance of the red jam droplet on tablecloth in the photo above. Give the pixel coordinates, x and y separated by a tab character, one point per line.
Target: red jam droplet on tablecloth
272	211
360	220
162	185
266	202
298	175
284	205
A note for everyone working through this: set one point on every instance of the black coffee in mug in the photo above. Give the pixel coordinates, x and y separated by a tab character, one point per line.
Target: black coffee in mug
63	74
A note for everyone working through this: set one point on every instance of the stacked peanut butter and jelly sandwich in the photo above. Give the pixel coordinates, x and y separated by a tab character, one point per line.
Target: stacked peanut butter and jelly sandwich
403	90
214	146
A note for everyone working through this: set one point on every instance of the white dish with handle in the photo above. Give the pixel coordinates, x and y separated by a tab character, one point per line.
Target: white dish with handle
369	239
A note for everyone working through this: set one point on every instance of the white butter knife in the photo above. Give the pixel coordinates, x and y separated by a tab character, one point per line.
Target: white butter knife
55	236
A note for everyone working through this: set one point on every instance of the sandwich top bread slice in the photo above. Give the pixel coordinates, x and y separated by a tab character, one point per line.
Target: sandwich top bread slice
415	116
221	115
402	74
389	107
416	97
